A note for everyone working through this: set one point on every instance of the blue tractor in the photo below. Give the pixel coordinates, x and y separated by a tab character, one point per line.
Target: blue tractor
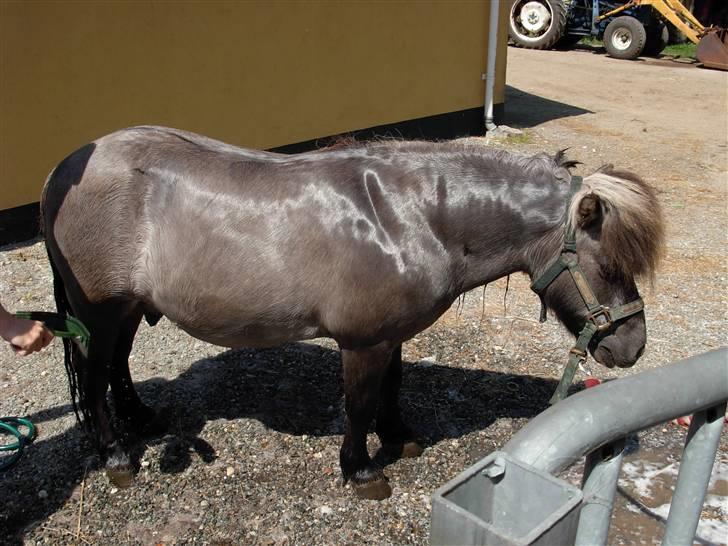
631	31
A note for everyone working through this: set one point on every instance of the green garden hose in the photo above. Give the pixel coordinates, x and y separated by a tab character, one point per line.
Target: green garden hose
12	426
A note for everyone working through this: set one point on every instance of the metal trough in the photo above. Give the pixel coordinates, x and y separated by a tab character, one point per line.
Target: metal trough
502	501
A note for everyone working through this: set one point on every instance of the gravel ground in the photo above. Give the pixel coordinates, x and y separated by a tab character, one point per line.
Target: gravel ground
251	452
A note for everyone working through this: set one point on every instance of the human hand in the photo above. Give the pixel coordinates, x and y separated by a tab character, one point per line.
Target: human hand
24	336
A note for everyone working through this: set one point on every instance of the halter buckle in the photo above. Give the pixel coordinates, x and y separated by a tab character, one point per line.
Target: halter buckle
601	318
578	352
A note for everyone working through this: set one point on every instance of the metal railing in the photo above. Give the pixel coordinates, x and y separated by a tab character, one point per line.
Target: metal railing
596	422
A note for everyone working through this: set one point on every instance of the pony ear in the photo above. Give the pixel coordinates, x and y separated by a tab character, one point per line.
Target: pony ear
589	211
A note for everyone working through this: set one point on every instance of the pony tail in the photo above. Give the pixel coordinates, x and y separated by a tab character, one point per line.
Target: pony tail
71	353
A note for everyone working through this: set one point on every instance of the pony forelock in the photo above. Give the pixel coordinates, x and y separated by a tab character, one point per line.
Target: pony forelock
632	230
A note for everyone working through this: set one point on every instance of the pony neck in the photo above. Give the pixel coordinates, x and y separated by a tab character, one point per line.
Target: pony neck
511	226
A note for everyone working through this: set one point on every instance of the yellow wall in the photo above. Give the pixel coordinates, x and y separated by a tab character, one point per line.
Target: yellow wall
257	74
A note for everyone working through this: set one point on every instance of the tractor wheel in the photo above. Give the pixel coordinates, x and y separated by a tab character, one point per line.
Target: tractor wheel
537	24
625	38
657	37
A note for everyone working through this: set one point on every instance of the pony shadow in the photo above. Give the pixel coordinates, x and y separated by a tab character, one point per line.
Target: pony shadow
524	110
22	241
296	389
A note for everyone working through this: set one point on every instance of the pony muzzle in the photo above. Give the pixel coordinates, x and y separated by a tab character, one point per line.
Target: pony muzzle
610	351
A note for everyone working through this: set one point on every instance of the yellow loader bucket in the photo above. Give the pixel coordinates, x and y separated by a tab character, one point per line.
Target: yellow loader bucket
712	48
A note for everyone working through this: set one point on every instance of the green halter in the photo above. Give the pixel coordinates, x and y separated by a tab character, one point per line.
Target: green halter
599	318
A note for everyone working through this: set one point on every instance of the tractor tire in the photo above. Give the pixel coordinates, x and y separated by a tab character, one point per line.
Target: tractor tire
625	38
657	38
537	24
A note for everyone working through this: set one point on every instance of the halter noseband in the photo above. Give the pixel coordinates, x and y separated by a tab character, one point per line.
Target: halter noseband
599	318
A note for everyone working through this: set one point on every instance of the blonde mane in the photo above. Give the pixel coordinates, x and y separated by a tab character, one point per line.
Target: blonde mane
632	230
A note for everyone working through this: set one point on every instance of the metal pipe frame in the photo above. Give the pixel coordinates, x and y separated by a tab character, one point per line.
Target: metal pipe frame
694	475
599	486
603	416
558	437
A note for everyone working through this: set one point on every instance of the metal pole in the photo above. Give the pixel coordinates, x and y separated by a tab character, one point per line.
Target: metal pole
490	66
692	480
599	486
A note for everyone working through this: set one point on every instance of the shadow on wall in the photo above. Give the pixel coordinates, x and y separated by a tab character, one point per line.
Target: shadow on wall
525	110
295	389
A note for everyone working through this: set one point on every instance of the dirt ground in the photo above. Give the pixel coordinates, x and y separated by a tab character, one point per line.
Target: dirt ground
251	453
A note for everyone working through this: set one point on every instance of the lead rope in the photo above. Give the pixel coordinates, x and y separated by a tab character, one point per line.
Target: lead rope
577	355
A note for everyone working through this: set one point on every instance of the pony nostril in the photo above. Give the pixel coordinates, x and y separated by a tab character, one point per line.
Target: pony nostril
603	355
632	361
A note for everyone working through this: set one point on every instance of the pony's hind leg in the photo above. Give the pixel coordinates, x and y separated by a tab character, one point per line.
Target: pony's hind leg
93	373
127	404
398	440
363	373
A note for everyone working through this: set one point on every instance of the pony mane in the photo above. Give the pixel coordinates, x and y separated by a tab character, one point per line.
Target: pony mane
633	231
557	165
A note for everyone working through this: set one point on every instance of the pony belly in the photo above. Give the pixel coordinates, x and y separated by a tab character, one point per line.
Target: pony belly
255	336
235	320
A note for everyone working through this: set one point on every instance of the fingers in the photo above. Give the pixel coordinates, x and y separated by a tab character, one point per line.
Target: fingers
31	337
40	337
47	337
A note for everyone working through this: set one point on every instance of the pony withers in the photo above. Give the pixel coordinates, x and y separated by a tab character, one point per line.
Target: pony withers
367	244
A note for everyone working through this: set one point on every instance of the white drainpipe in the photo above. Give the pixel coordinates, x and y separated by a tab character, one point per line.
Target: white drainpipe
490	67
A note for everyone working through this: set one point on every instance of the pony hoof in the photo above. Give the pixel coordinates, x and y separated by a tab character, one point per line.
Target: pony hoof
118	466
371	484
377	489
120	477
407	450
411	450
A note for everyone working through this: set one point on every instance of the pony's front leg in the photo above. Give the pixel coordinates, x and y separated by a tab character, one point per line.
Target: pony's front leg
398	439
363	373
127	403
